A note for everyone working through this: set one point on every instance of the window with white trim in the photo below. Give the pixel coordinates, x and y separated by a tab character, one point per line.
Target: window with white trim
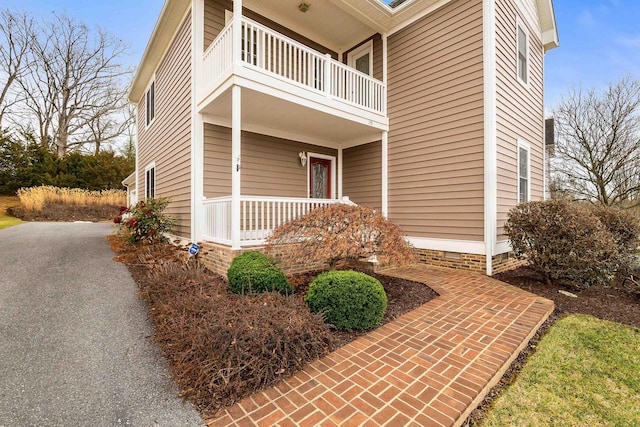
524	172
150	181
361	58
150	98
523	54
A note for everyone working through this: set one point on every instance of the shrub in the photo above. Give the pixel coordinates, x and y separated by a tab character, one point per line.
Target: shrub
339	232
254	272
147	221
348	299
223	347
562	241
625	230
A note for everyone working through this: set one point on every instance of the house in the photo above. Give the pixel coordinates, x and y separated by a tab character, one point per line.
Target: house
251	112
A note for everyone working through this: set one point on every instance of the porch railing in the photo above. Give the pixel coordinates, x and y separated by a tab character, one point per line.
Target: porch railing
279	56
258	216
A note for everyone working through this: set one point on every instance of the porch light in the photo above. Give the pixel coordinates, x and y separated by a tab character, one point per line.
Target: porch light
303	158
303	6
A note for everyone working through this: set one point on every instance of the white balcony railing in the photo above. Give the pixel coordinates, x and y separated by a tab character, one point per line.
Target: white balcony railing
279	56
258	216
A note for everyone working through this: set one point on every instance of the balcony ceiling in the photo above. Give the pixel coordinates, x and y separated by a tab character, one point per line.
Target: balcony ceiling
262	113
324	22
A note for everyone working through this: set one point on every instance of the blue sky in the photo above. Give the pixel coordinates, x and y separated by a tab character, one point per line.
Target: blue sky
599	39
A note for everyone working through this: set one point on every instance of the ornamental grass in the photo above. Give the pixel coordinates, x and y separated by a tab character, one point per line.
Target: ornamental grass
36	198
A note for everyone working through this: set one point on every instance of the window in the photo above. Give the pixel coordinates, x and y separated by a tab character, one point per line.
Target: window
524	182
150	181
523	55
151	103
361	58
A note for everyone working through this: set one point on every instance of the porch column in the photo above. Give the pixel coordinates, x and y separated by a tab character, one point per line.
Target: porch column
197	125
385	171
237	32
384	69
236	135
340	173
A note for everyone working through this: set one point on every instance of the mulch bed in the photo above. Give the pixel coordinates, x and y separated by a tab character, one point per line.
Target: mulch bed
190	326
402	297
67	213
617	303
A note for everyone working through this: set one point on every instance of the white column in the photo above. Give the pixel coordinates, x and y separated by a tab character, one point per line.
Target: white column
490	132
197	125
384	69
385	172
340	173
237	32
236	135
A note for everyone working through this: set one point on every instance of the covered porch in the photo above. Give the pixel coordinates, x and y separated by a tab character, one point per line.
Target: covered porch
281	121
274	180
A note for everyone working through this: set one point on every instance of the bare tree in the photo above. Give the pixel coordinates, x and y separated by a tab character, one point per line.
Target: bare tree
16	34
598	144
75	87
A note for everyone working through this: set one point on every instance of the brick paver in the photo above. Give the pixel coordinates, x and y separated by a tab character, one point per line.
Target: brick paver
430	367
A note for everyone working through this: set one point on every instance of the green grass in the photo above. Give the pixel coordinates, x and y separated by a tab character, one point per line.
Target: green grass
6	220
585	372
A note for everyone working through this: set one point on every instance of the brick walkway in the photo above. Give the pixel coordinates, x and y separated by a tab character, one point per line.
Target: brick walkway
430	367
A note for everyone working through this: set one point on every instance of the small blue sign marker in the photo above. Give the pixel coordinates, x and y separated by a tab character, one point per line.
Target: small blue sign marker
193	249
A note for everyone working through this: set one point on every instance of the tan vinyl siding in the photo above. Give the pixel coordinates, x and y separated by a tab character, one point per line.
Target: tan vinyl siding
217	161
362	174
167	139
520	110
436	138
377	54
214	23
214	18
270	166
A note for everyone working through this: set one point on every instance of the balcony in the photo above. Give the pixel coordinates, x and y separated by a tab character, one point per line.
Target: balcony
301	83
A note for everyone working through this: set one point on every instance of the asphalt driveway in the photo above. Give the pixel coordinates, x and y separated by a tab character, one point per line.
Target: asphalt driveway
75	343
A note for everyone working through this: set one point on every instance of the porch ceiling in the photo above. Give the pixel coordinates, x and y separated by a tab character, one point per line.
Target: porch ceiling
269	115
324	22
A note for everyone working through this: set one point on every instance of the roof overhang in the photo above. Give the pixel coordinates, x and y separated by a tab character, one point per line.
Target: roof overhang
548	26
130	180
170	19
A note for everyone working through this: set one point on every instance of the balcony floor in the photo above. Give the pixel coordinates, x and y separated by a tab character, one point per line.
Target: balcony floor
296	118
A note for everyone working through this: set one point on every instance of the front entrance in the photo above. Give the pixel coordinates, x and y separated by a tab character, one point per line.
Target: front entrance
320	178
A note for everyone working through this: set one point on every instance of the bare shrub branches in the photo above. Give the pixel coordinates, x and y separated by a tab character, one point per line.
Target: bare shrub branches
340	232
598	147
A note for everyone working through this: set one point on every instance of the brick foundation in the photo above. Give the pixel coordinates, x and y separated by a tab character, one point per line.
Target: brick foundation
456	260
218	258
506	261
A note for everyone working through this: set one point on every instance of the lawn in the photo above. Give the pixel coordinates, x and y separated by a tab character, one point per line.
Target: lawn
585	372
6	220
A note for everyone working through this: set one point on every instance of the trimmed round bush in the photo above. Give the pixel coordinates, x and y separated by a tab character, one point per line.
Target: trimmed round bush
253	272
348	299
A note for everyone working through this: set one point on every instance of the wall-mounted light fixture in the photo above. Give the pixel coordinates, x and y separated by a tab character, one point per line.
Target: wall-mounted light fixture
303	6
303	158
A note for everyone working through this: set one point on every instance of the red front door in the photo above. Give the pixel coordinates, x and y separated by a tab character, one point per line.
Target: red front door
319	178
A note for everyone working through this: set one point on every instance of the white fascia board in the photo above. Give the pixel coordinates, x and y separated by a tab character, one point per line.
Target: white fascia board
171	18
502	247
448	245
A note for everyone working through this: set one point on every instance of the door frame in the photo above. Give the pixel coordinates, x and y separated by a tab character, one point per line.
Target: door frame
356	53
333	171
